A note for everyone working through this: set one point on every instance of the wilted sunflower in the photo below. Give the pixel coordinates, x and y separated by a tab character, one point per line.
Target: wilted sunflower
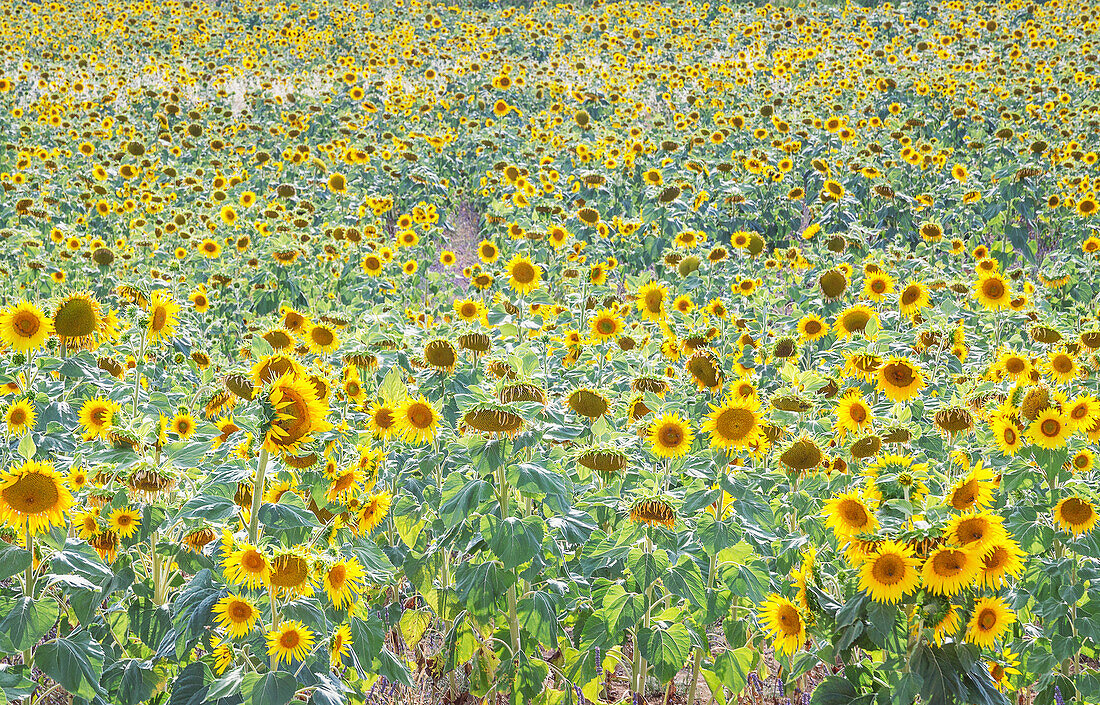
493	418
588	402
291	574
653	511
33	497
440	354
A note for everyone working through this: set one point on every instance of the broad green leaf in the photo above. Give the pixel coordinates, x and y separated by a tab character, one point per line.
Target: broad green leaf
514	541
733	668
26	621
667	649
276	688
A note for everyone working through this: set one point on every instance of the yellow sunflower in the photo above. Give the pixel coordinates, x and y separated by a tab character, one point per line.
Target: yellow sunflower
299	414
237	615
322	338
890	573
523	274
290	641
853	414
23	326
992	292
374	510
247	565
848	516
20	417
163	316
418	420
670	436
949	570
783	621
97	416
900	379
1002	558
1049	429
991	620
735	424
1076	515
605	324
33	497
343	582
125	521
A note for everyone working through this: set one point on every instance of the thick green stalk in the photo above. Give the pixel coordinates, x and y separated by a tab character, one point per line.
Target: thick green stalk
28	592
257	497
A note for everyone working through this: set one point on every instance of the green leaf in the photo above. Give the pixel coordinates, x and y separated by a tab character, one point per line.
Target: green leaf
27	448
714	684
13	560
538	617
530	678
514	541
26	621
229	684
686	581
646	567
408	518
622	609
76	662
461	497
367	637
733	668
838	691
273	689
149	621
667	649
189	686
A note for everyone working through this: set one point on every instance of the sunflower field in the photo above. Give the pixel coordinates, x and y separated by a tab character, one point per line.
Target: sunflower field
526	352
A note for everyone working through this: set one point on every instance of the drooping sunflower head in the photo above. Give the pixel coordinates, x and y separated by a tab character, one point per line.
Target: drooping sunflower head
291	572
655	510
605	459
488	417
77	320
440	354
588	402
801	454
705	370
33	497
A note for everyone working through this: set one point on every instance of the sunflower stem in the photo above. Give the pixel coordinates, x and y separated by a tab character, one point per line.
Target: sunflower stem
138	364
257	497
28	592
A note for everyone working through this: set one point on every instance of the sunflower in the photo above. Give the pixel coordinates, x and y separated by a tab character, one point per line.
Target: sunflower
670	436
291	575
322	338
913	299
247	565
949	570
1082	412
900	379
852	320
1061	366
77	320
651	301
783	621
23	326
1050	429
523	274
343	582
125	521
1002	558
418	420
1015	366
992	292
382	419
163	316
991	621
848	516
653	511
889	573
976	531
469	310
33	497
812	327
374	510
290	641
20	417
876	285
97	415
340	646
237	615
735	424
947	626
1000	671
298	414
183	425
973	492
853	414
605	325
1007	436
487	252
588	402
1076	515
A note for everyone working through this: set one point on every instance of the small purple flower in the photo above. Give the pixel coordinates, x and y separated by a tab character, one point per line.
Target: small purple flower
1058	696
